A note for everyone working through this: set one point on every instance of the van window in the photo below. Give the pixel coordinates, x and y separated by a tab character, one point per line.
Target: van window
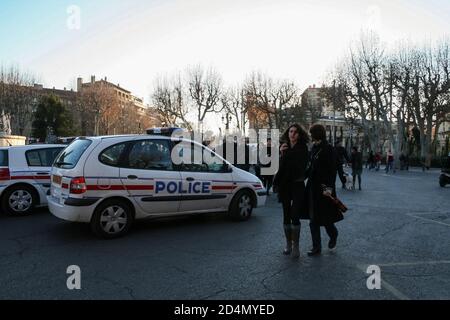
150	155
68	159
111	155
42	157
4	158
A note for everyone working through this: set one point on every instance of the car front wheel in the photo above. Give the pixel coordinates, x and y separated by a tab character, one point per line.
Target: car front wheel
242	206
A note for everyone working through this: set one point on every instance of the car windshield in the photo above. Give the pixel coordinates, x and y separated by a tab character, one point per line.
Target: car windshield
68	159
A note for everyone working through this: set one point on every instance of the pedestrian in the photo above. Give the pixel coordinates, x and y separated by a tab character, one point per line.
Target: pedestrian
377	161
371	160
402	159
342	158
407	162
268	179
321	184
245	165
289	182
357	166
390	161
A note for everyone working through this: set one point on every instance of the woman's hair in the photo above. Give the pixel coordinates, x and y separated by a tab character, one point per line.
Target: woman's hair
318	132
302	134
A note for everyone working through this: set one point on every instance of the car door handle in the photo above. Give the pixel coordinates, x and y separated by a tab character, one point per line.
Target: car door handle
190	179
132	177
42	173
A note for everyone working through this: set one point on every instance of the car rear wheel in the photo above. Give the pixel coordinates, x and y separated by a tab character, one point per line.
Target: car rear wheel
112	219
19	200
241	206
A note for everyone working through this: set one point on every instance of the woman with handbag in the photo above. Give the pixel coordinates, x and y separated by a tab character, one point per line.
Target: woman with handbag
321	189
290	185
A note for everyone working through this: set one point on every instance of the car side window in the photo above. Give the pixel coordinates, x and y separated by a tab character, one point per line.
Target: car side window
111	155
42	157
4	158
214	163
150	155
202	160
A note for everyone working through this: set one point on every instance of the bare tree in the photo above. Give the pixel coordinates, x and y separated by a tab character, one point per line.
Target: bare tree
205	89
429	87
233	103
100	109
17	98
387	92
169	100
271	97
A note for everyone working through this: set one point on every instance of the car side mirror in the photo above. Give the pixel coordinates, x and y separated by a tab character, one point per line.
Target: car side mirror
227	168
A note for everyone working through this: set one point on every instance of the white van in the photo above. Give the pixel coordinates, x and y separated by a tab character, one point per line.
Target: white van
25	176
110	181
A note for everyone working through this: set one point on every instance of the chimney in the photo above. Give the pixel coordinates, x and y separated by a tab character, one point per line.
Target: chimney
106	79
64	88
92	79
79	84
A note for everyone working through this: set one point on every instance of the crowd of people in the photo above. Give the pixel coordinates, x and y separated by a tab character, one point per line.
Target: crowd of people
306	178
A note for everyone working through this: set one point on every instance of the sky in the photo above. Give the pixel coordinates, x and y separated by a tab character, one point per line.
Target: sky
132	42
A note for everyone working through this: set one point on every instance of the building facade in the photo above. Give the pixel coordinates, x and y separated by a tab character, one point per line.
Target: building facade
133	107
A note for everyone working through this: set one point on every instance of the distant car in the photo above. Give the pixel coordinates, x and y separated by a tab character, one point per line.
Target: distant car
111	181
25	176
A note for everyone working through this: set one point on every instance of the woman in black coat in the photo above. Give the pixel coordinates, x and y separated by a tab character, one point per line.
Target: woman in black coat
289	181
321	184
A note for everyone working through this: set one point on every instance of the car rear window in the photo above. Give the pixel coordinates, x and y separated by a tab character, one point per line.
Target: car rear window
111	155
42	157
4	158
68	159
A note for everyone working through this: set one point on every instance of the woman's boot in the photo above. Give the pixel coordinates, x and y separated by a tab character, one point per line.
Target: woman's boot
287	233
295	242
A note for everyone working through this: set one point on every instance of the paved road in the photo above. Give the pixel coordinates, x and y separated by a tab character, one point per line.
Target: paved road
399	222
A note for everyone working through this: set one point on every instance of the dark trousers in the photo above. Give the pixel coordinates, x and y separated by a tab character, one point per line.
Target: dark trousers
356	174
315	233
267	181
340	172
292	200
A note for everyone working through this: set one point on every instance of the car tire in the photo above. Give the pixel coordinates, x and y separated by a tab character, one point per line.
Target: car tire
112	219
19	200
241	206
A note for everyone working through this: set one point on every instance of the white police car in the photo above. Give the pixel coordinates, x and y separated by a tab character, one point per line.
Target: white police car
25	176
110	181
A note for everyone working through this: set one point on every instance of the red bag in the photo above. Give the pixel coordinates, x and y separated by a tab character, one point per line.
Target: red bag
337	203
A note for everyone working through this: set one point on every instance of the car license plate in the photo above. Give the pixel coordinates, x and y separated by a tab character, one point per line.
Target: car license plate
57	179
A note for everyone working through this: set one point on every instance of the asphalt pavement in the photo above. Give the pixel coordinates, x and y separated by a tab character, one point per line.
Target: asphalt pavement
399	222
